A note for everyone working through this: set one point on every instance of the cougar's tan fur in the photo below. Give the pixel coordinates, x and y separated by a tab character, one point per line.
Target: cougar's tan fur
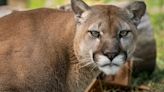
36	53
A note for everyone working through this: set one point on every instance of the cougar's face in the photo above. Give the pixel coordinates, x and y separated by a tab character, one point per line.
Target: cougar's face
105	37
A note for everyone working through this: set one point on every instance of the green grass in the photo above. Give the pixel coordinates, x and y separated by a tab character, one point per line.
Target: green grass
157	80
154	3
32	4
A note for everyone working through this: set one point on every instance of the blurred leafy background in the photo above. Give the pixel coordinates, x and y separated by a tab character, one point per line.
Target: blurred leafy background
155	10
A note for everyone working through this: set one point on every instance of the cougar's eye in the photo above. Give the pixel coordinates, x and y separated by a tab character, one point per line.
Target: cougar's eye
123	33
94	33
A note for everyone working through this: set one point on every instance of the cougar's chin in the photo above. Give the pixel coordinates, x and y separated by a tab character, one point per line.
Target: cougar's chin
110	67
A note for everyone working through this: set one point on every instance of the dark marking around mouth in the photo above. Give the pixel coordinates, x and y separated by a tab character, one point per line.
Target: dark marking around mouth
109	64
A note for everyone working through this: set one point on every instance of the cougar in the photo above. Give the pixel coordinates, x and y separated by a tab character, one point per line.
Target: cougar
49	50
143	60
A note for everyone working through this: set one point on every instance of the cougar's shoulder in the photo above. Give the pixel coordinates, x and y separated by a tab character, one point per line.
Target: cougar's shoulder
34	54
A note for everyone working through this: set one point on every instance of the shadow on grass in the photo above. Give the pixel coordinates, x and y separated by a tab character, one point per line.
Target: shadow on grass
155	81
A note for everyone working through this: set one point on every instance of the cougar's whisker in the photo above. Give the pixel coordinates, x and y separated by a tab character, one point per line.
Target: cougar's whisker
93	67
87	64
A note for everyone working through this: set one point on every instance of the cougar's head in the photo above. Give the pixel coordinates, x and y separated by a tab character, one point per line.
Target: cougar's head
106	34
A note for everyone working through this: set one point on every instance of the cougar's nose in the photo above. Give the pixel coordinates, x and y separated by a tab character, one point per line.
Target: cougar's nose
110	55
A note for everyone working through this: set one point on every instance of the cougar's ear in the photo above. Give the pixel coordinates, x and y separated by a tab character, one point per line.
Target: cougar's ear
78	7
136	9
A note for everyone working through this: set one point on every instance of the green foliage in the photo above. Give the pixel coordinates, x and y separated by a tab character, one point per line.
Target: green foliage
32	4
156	19
59	2
106	1
158	24
36	3
155	3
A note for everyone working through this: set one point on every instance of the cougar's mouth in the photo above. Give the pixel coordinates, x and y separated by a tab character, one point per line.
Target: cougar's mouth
110	67
109	64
